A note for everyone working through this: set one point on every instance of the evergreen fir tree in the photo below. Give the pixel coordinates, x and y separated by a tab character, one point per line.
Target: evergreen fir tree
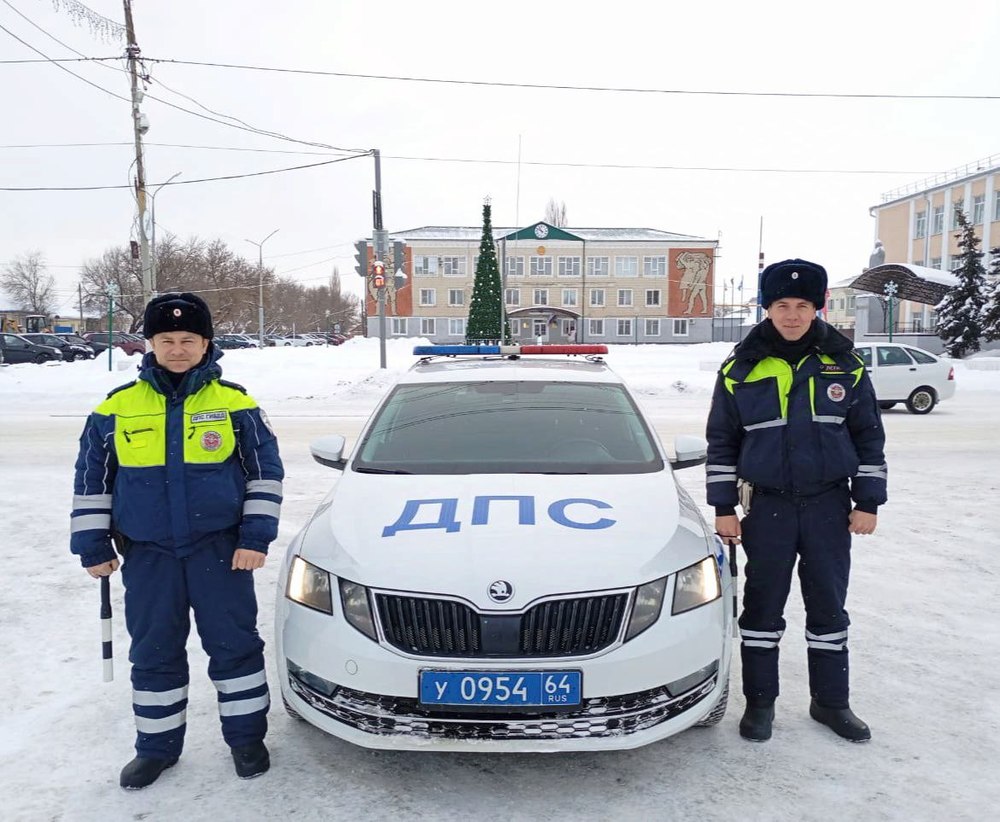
487	322
991	306
960	312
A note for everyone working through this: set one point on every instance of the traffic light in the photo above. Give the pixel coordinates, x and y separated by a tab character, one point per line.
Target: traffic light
398	255
361	257
378	274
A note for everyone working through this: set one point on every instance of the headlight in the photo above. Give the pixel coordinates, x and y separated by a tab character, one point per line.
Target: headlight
309	586
357	608
646	610
696	585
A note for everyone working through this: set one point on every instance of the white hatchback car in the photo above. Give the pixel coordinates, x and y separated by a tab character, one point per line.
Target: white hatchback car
506	564
902	373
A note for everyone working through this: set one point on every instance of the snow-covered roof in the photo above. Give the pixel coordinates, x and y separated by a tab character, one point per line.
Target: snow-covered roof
607	235
913	282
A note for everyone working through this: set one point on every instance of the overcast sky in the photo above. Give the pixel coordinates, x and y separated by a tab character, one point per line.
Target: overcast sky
737	158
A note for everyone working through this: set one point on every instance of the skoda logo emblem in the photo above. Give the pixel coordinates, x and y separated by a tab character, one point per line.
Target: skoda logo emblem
501	590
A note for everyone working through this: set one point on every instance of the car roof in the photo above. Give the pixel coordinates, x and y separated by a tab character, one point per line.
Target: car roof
502	369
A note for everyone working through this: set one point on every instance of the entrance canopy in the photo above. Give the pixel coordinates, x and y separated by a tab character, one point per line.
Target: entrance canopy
913	282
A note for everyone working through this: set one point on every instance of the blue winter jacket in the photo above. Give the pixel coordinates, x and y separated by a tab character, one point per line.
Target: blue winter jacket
800	429
174	466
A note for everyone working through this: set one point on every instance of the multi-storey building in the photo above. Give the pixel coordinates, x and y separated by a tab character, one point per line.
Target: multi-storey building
917	224
610	285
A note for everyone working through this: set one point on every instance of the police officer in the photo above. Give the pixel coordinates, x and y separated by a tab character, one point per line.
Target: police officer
795	429
182	469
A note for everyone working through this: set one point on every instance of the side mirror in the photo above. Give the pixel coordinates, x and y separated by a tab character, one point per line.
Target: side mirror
690	451
329	451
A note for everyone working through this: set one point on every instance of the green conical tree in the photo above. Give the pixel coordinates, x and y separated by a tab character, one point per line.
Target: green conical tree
487	322
960	312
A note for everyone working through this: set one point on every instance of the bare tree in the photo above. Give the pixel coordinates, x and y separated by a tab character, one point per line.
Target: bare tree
555	213
29	284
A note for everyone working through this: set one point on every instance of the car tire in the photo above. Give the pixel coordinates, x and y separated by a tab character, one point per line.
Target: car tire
39	359
922	400
715	715
885	406
291	711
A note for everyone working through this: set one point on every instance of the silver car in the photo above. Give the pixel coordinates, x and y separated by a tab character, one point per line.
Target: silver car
902	373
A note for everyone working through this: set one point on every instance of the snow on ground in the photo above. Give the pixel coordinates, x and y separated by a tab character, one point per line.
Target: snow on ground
924	640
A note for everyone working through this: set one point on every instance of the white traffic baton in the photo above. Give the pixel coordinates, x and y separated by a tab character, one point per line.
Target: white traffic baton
106	652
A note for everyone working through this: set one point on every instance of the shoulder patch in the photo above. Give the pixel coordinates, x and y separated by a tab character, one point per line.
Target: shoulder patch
121	388
234	385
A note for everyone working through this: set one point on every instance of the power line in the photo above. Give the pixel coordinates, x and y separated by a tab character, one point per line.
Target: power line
180	182
564	87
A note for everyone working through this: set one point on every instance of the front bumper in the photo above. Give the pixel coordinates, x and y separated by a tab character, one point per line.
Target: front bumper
362	692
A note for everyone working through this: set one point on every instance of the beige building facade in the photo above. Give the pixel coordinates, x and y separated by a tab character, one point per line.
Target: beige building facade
595	285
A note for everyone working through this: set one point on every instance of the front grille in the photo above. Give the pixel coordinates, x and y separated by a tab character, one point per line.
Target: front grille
596	718
574	626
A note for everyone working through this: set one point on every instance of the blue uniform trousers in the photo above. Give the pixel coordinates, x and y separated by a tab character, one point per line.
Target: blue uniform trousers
160	592
780	528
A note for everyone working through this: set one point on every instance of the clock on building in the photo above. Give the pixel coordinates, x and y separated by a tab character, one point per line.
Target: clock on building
541	231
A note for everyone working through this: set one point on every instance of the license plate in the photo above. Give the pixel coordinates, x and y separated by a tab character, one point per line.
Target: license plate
546	689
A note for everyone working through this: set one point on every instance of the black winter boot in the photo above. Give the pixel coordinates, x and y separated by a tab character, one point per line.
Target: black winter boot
841	721
142	772
756	722
251	760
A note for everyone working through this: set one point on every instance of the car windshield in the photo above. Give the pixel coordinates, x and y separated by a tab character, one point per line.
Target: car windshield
73	338
508	427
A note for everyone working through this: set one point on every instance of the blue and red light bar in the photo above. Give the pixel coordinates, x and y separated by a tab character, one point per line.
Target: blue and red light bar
454	350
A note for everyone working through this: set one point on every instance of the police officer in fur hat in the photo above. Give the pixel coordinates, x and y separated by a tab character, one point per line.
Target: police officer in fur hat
795	436
182	471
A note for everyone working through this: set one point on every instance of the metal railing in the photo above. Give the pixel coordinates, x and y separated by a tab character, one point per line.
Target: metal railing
986	164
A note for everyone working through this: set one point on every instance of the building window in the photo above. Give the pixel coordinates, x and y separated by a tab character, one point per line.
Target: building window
937	220
456	296
398	328
540	267
626	266
936	262
652	297
425	266
427	326
624	327
512	296
515	266
456	326
539	329
598	267
852	304
427	296
920	225
624	297
541	296
918	323
569	266
996	206
475	264
957	208
652	328
956	263
595	328
569	297
654	266
597	298
452	266
978	209
681	328
841	303
569	328
515	327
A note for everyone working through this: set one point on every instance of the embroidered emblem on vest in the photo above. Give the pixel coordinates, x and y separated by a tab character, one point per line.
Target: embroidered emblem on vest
835	391
212	440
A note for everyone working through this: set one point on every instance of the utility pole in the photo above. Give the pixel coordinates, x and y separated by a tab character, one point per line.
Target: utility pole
79	294
140	126
380	239
260	274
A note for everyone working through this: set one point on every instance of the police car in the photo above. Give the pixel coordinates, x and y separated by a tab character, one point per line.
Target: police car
508	564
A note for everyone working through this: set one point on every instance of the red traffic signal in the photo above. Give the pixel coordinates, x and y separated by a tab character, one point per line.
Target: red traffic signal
378	274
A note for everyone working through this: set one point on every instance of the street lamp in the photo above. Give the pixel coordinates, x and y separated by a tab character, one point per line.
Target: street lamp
152	219
890	291
260	272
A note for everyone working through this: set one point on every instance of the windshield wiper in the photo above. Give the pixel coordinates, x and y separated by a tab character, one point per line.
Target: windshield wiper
364	470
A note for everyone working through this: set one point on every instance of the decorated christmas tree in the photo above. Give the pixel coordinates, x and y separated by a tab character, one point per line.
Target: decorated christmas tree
487	322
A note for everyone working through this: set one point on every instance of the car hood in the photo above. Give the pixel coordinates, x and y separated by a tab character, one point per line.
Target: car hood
543	534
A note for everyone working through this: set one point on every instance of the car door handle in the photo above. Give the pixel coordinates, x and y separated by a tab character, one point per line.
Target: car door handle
913	368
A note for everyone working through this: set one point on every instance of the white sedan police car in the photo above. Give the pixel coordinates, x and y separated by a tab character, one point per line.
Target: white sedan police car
903	373
506	564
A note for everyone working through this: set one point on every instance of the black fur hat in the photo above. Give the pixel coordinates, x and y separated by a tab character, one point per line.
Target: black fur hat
177	312
793	279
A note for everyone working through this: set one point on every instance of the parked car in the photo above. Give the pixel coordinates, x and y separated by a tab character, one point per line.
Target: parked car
228	341
17	348
507	563
70	350
129	343
903	373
